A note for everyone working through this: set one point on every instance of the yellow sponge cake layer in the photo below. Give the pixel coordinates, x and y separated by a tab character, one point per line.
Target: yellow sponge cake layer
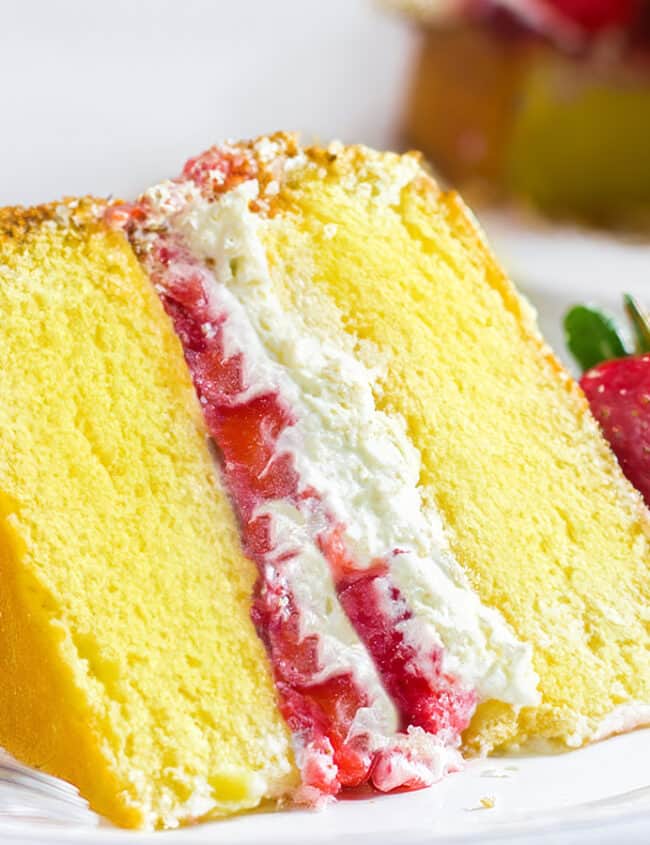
128	660
536	507
425	418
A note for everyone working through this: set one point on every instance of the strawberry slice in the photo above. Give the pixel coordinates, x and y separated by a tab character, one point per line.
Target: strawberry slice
616	383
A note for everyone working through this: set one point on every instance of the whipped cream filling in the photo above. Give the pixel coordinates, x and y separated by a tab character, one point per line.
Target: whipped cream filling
359	458
293	539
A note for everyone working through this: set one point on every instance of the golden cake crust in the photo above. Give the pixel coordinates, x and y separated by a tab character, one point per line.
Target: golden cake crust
16	222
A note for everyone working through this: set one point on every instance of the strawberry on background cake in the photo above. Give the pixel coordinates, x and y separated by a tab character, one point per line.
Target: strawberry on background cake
546	101
322	510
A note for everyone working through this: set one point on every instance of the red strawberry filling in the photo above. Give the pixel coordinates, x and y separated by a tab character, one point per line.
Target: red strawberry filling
213	172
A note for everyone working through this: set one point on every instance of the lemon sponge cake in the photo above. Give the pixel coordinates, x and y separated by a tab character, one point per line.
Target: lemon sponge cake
293	496
128	660
446	547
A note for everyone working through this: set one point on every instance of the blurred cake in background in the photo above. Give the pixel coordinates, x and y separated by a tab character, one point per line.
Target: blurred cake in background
547	101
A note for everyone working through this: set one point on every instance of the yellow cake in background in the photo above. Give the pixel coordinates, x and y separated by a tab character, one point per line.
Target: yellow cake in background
545	103
383	530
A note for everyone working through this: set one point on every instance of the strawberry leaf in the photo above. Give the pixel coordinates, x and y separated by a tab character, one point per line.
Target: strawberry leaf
639	319
592	336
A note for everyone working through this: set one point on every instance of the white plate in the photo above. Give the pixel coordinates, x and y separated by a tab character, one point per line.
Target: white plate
598	794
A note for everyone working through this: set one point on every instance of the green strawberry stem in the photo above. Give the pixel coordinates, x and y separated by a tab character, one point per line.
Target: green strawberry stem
592	336
639	320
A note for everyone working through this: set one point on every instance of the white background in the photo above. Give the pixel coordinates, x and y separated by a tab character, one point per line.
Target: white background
106	97
109	96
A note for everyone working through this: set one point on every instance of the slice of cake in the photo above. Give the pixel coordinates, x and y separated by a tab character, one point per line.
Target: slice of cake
445	543
128	660
423	524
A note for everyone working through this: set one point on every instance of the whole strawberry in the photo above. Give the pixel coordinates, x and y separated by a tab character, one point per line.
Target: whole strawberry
619	395
617	385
